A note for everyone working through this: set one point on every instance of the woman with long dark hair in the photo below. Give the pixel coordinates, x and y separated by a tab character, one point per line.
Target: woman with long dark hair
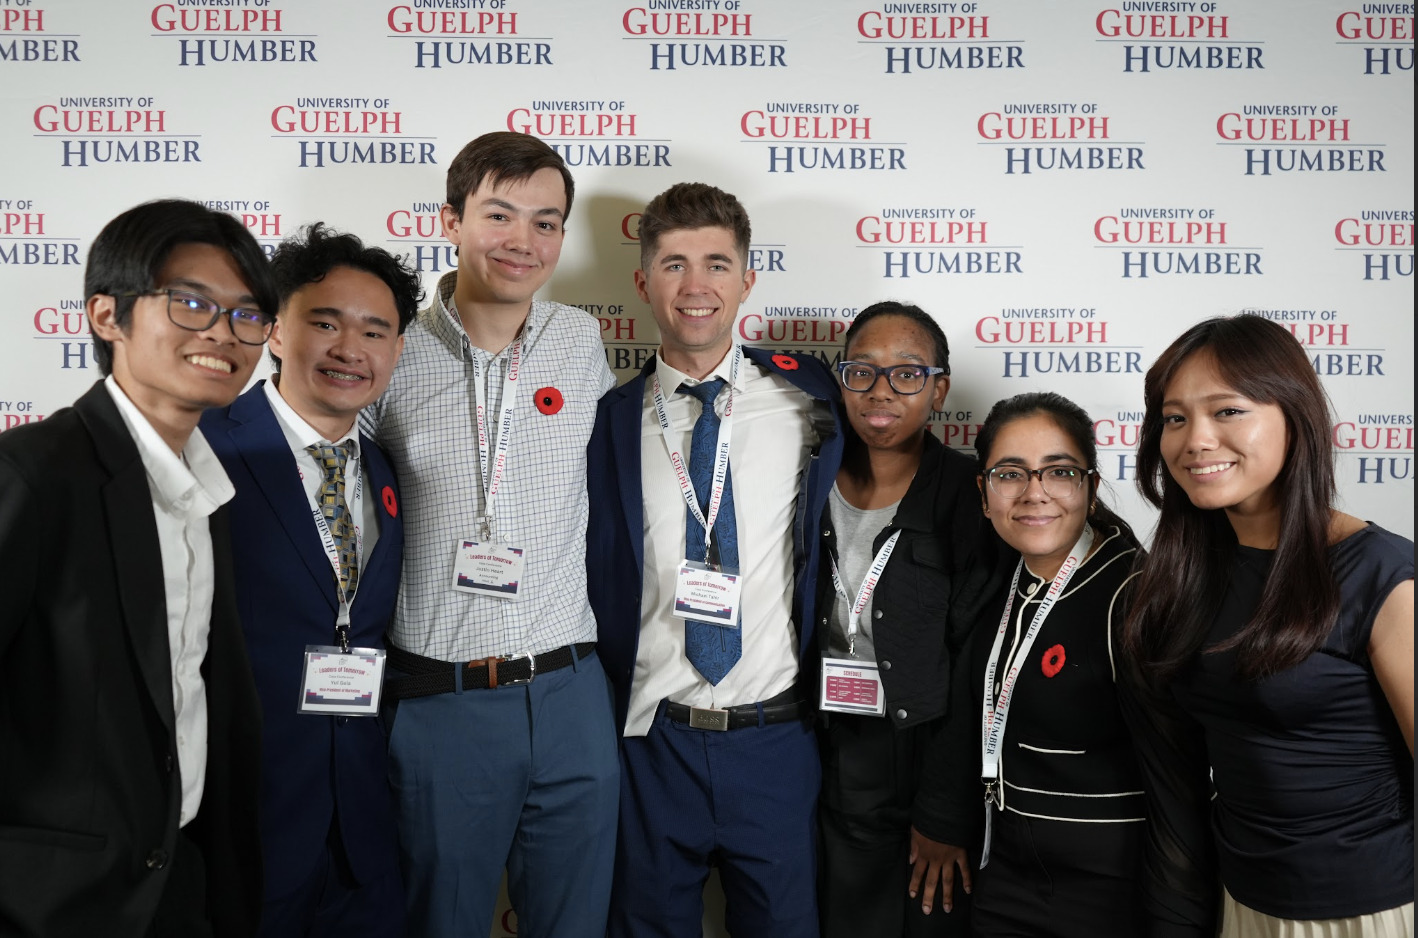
900	586
1277	635
1063	806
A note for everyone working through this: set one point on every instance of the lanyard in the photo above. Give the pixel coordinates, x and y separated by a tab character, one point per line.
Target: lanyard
996	708
355	506
721	453
868	587
491	466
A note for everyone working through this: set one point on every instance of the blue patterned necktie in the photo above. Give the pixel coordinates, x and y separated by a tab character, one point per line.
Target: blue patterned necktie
332	460
713	649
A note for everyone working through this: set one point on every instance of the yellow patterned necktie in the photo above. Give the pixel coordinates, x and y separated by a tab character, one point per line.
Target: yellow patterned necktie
332	460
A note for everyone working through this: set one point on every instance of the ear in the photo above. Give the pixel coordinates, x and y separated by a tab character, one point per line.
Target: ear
750	277
452	224
942	388
984	499
276	343
102	311
641	282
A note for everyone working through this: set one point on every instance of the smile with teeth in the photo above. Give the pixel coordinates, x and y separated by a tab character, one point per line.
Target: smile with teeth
340	375
1208	470
212	362
695	312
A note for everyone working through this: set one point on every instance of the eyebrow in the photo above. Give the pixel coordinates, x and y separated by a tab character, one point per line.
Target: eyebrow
1225	395
909	356
338	313
674	258
198	286
1050	460
503	203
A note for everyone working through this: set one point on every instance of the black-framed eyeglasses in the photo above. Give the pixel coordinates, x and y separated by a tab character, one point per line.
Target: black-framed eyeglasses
199	313
904	379
1058	481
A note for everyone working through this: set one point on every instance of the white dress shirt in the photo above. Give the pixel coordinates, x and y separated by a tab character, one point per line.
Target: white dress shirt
185	491
773	435
299	435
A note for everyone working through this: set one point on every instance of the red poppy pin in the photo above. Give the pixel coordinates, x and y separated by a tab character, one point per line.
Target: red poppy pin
549	400
391	504
785	362
1053	661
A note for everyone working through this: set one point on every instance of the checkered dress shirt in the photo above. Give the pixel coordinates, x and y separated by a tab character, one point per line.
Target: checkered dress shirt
426	421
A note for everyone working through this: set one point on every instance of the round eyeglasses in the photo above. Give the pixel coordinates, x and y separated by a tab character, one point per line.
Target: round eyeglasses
1057	481
904	379
198	313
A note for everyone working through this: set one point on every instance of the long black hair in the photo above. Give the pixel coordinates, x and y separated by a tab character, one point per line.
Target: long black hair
1075	424
1184	578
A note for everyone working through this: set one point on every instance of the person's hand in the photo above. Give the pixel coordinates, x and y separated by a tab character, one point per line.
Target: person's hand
932	861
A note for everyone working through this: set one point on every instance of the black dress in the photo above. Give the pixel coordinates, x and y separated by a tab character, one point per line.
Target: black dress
1313	815
1065	851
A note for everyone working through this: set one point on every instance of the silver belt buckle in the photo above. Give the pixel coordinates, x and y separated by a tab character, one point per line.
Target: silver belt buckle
531	663
708	718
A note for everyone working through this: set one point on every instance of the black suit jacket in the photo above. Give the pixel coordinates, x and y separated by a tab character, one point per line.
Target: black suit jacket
89	787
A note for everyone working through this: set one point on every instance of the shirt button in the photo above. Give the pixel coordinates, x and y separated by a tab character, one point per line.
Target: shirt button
876	614
900	714
342	720
156	860
886	666
826	533
824	620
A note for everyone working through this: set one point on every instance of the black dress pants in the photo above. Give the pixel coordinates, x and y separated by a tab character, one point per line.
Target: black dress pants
871	771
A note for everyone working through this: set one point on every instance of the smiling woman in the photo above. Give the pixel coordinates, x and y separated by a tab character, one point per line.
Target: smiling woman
1276	628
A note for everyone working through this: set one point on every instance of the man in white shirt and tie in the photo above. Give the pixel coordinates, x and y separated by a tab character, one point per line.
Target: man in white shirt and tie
708	472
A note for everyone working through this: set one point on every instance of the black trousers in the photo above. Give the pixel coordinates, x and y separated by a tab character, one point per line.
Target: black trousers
1059	879
871	771
182	910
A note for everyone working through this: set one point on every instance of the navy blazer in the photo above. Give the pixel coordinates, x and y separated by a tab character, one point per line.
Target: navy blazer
287	598
615	550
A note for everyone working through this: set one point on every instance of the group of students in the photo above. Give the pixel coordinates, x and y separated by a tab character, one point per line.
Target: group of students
439	601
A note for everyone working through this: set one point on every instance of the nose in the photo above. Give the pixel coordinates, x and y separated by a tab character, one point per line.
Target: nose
1200	436
881	389
222	332
1034	491
519	236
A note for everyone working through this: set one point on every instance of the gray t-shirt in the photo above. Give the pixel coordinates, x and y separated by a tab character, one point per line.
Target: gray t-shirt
856	532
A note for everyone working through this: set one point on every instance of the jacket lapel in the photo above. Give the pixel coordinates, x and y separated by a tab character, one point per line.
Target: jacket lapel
381	476
133	539
263	447
625	417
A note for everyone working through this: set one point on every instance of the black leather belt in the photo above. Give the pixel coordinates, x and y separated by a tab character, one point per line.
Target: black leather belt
782	708
424	677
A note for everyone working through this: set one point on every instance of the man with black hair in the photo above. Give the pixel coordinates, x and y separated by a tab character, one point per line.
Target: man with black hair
129	723
502	749
318	541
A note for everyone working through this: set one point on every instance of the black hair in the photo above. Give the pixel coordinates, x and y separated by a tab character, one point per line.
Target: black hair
130	252
1184	579
1075	424
907	311
503	156
691	205
316	250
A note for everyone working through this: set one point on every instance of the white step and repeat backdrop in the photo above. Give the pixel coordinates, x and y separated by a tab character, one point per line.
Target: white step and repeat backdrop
1065	186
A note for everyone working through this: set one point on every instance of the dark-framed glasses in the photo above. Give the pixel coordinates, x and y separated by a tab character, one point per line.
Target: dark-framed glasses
904	379
1058	481
199	313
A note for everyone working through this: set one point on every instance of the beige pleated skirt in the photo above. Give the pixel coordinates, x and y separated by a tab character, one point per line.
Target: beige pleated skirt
1238	921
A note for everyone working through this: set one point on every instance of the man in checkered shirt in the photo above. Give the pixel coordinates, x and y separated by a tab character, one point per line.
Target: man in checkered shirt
502	742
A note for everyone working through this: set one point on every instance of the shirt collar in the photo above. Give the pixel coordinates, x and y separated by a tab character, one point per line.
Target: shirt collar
672	378
195	480
441	318
299	434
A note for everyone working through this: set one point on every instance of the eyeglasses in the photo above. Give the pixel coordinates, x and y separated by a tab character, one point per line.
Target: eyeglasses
904	379
1057	481
198	313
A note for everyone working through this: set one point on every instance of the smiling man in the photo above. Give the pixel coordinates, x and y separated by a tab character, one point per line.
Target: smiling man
128	718
710	470
318	547
502	748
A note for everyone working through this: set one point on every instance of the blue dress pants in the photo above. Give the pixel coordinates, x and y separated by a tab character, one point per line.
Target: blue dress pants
743	800
523	777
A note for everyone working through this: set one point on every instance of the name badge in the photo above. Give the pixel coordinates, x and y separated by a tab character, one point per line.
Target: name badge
850	686
707	595
346	683
489	569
